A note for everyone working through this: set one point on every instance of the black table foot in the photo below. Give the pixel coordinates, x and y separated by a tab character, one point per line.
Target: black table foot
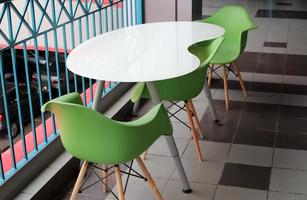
187	191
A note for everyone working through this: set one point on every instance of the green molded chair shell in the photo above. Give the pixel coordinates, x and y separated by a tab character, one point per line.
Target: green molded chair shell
89	135
237	22
187	86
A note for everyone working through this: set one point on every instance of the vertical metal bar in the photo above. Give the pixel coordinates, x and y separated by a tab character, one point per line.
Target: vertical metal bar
81	40
131	12
65	57
106	20
122	15
14	65
100	21
139	11
25	56
48	77
117	16
39	81
3	87
72	38
127	15
56	47
111	15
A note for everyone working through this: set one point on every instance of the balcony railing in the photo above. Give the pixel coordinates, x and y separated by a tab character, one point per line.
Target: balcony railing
36	37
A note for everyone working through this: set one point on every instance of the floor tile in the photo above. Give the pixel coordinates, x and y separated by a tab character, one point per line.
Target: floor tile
154	164
290	112
291	140
293	125
250	155
160	147
246	176
236	193
289	158
285	196
201	191
295	65
285	180
271	63
201	172
263	97
255	137
139	189
293	99
215	151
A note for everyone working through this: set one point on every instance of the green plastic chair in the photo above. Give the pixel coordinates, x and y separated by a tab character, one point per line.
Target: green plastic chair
186	87
92	137
237	22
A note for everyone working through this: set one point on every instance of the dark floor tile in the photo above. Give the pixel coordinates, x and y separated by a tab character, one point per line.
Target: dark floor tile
271	63
257	123
255	137
296	65
291	140
286	14
292	125
259	116
247	62
275	44
289	112
259	108
295	89
265	87
221	133
246	176
283	3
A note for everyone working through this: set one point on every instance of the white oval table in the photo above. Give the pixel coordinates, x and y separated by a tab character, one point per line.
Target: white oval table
143	53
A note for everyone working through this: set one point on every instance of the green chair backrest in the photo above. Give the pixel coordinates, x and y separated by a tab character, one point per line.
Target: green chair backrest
237	22
187	86
89	135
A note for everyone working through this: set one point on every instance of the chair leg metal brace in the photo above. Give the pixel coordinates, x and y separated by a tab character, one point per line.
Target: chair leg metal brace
171	143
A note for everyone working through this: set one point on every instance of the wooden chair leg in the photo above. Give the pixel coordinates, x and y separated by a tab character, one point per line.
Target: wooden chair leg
198	126
149	179
225	87
240	78
145	154
74	195
196	142
121	195
105	179
210	75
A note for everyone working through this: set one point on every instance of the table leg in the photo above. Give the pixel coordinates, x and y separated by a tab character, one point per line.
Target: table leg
171	142
211	105
98	94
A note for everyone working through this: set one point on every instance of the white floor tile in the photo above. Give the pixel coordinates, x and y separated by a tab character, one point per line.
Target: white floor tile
290	181
160	147
292	159
293	99
156	163
139	189
268	78
236	193
215	151
250	155
201	191
298	80
202	172
274	50
286	196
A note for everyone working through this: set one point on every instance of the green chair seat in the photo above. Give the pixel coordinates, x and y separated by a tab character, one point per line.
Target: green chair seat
90	136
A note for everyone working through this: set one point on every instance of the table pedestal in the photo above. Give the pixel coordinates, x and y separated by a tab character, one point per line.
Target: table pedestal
171	142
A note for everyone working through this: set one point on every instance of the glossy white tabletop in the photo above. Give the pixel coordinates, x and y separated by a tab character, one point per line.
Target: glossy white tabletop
147	52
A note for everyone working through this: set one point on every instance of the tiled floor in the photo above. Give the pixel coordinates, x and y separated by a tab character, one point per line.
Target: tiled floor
258	150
